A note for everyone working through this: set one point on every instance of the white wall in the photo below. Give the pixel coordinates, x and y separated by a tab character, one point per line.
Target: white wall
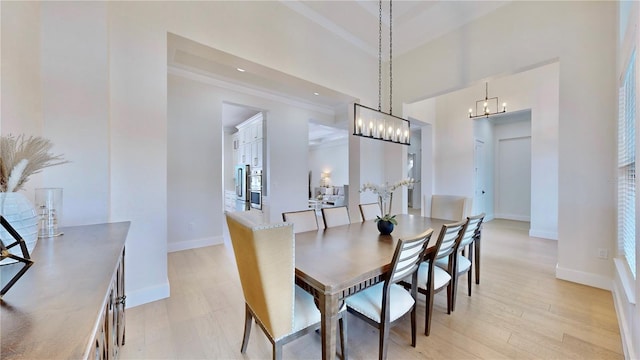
416	148
75	106
332	157
196	152
194	164
423	114
21	105
455	135
132	130
524	34
580	36
139	60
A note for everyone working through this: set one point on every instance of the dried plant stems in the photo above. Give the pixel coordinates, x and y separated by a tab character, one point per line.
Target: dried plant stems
36	152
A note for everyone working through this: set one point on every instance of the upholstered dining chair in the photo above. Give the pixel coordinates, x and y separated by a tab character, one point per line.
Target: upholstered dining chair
335	216
370	211
265	259
432	279
462	263
450	207
303	220
384	303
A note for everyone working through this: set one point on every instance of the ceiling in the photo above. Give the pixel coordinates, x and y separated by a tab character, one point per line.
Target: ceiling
414	23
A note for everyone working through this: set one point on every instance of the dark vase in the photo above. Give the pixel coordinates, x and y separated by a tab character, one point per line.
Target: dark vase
385	227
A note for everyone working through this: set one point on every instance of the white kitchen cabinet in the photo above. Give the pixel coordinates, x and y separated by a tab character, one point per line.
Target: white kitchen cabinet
250	142
256	154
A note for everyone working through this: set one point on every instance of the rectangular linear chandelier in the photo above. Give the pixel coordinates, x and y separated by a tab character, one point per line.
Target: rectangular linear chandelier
376	124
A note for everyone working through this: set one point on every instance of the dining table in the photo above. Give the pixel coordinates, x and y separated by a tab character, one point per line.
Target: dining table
337	262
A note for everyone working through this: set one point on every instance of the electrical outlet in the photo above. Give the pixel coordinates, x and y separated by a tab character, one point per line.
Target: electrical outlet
192	225
603	253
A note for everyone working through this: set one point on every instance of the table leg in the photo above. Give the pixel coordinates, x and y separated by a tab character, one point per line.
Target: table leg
329	316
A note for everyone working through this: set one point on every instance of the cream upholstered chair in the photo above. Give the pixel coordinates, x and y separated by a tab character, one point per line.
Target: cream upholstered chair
370	211
265	259
433	279
335	216
450	207
462	263
303	220
382	304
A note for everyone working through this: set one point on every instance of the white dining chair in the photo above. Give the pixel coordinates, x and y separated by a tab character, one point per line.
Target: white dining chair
382	304
335	216
433	279
370	211
303	220
264	256
462	263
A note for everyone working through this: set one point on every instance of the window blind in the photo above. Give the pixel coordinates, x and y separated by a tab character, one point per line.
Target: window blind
627	166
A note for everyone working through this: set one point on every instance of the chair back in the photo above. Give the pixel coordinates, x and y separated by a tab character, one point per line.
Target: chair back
303	220
265	259
449	238
450	207
370	211
335	216
472	230
408	255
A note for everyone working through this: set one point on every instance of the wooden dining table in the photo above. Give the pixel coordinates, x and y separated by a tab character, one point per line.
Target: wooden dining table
337	262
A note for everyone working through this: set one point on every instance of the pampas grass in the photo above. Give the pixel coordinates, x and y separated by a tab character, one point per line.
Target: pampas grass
22	157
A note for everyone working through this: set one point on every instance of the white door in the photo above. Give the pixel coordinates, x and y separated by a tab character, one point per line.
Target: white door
514	179
478	174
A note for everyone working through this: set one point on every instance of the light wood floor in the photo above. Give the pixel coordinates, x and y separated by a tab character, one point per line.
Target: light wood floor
519	311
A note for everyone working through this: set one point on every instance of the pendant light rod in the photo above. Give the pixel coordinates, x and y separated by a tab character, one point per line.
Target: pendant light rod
390	59
376	124
380	55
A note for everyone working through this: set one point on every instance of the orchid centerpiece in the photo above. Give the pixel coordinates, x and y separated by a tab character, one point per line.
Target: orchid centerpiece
385	196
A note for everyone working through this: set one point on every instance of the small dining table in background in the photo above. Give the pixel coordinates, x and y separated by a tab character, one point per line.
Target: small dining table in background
337	262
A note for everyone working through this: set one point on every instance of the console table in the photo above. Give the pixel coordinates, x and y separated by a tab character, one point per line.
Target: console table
70	303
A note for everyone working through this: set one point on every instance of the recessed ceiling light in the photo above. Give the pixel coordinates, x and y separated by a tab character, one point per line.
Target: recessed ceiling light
316	94
241	69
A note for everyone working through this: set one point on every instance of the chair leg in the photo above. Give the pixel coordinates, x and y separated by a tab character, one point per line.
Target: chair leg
277	350
342	323
476	244
247	329
428	310
384	336
413	325
454	290
449	296
470	269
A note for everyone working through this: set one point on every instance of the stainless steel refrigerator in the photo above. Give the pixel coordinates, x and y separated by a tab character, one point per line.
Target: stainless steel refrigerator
242	188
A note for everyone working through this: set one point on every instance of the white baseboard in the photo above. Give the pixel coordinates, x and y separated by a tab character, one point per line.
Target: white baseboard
585	278
543	234
512	217
194	244
147	295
